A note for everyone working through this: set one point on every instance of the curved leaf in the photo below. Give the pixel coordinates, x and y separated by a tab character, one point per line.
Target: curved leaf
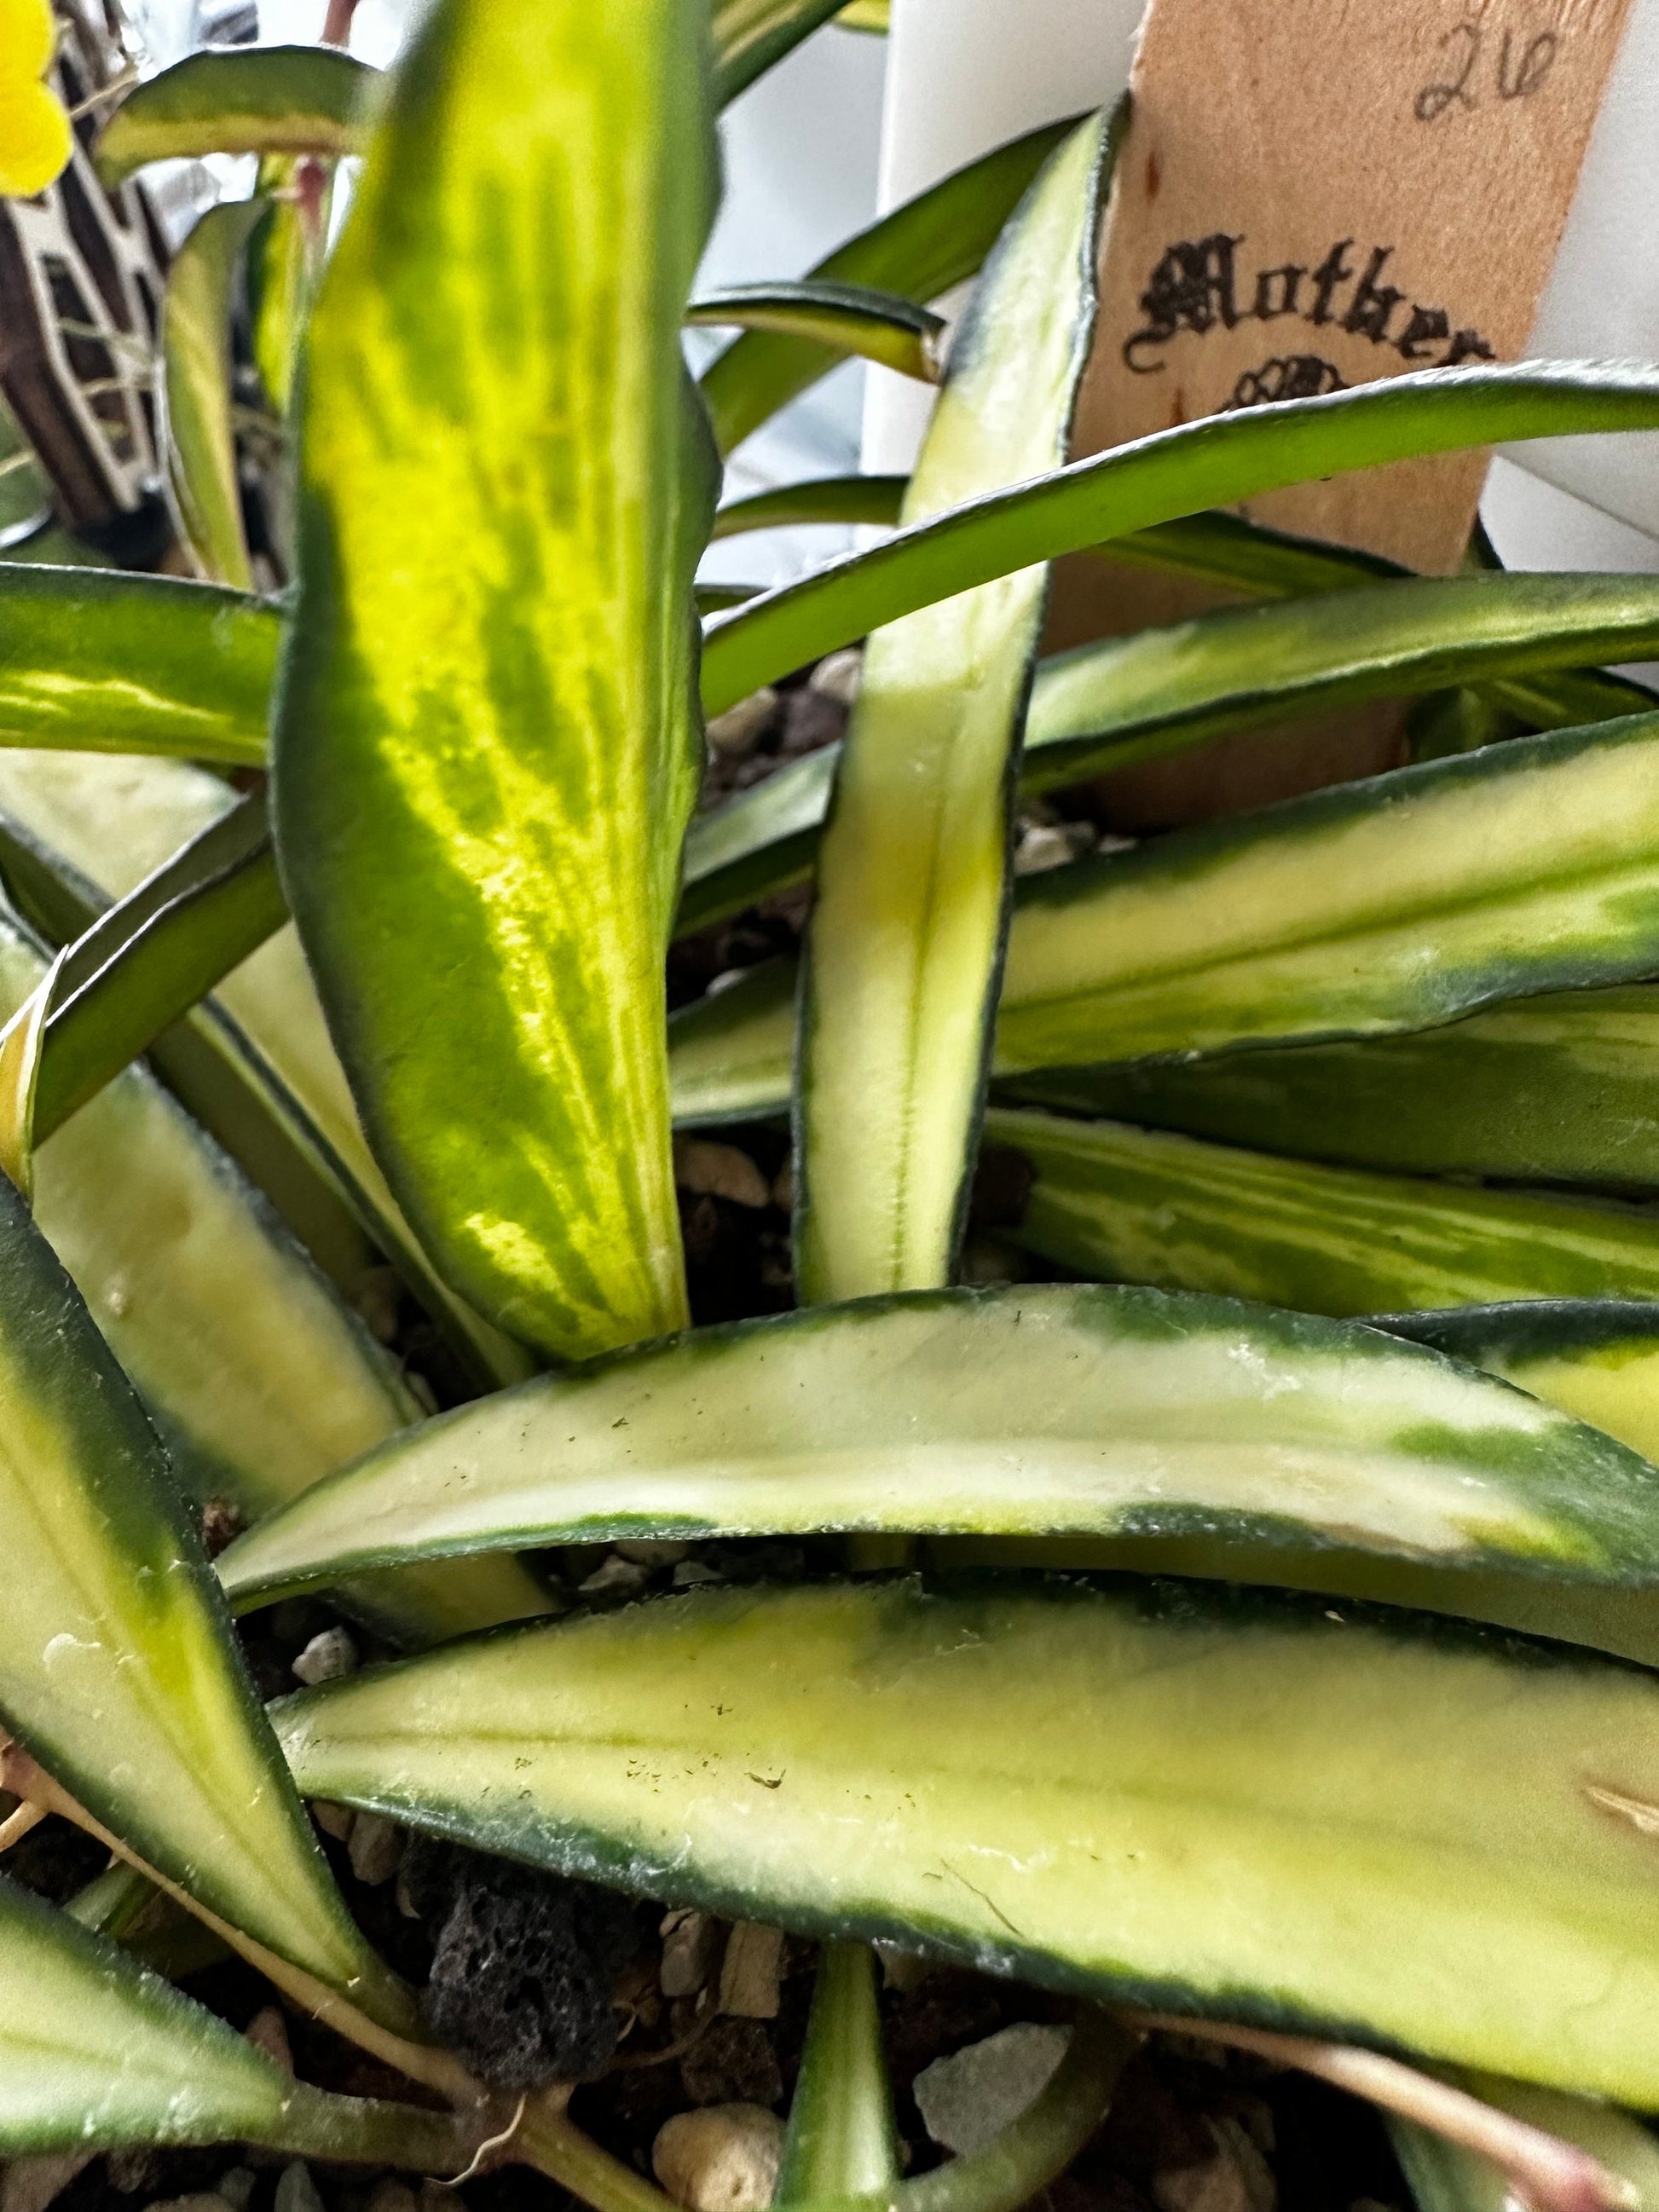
197	437
1124	699
1247	557
1223	1774
248	99
1398	903
1244	557
1597	1357
822	499
865	15
96	2054
919	250
1141	1205
148	959
1213	463
751	36
1132	699
1556	1089
730	1054
97	661
1395	904
873	325
1038	1410
711	598
118	1670
904	947
284	261
259	1378
486	749
254	1064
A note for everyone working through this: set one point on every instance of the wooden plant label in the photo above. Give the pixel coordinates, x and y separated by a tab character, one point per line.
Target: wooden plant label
1315	193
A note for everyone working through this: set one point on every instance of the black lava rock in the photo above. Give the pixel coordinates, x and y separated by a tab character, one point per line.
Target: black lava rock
524	1968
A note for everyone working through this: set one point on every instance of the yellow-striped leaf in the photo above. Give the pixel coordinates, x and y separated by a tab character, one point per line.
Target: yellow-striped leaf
487	747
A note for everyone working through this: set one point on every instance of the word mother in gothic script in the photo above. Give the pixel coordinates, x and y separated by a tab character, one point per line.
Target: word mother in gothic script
1199	285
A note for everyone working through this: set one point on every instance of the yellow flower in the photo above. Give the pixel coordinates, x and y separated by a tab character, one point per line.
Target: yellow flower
35	140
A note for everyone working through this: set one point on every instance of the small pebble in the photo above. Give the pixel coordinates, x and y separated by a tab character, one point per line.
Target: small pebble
375	1297
967	2098
734	2062
295	2190
735	733
984	1262
220	1523
29	2185
326	1658
268	2031
132	2172
690	1572
1236	2179
902	1971
718	1171
652	1551
752	1971
376	1848
336	1820
392	2197
689	1940
617	1580
1051	845
722	2159
438	2197
839	674
236	2185
725	980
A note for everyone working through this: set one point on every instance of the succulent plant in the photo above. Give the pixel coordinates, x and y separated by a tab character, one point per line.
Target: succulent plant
1241	1611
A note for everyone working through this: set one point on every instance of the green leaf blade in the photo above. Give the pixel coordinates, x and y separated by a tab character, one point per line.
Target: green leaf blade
484	763
752	36
906	938
259	1378
264	99
1104	706
1395	904
93	2053
1224	1772
1143	697
92	660
118	1671
149	959
255	1065
96	2054
200	441
873	325
1123	1204
1214	463
919	250
821	498
1040	1410
1556	1089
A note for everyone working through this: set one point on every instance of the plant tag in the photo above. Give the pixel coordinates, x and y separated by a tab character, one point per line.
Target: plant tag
1315	195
